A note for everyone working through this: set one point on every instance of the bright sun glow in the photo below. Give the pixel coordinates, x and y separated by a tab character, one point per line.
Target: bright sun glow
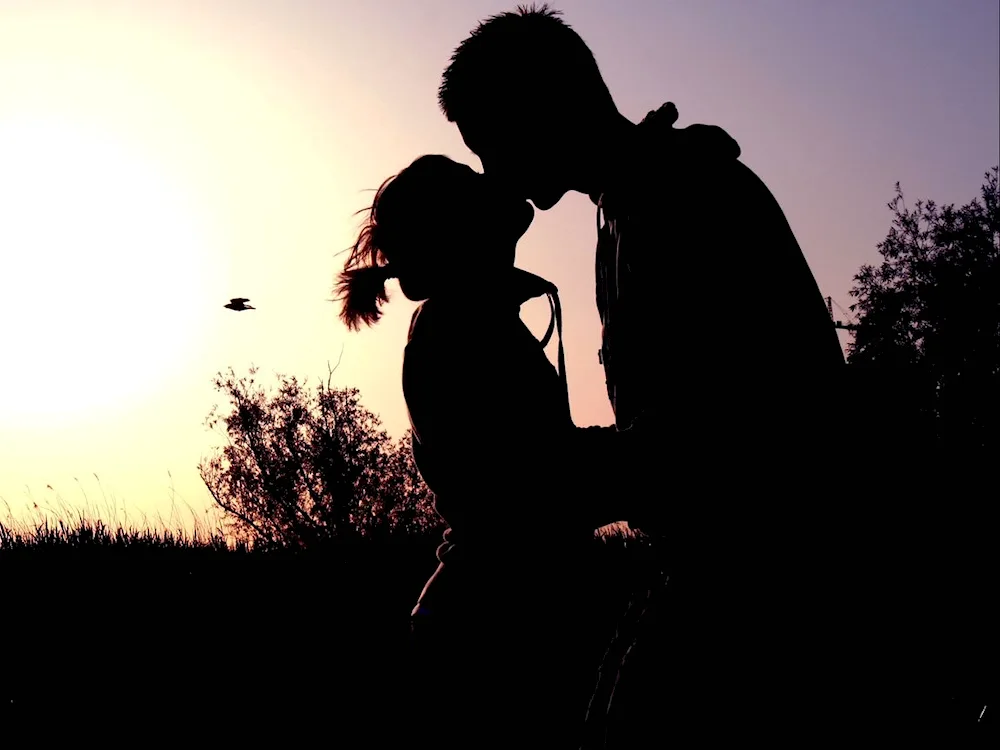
99	260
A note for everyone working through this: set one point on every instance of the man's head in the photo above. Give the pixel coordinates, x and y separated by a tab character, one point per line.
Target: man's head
527	96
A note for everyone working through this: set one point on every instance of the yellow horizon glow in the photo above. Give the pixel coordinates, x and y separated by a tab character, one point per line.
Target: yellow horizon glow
148	173
100	255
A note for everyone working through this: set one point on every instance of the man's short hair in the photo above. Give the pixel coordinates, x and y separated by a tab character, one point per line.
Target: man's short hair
519	56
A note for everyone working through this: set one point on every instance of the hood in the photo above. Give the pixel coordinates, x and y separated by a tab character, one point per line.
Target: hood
659	148
698	141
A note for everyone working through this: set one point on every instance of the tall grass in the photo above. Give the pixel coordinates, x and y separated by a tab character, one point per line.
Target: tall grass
94	532
56	522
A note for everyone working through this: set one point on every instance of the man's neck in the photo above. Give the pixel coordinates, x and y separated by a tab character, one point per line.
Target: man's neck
614	148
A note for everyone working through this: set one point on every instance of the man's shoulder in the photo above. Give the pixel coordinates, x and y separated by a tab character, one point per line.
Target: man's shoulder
690	196
694	180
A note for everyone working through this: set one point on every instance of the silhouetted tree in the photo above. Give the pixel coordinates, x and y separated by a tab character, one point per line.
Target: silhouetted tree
303	466
932	308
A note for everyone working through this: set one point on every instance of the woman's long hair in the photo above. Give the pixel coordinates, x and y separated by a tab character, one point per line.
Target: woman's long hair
360	287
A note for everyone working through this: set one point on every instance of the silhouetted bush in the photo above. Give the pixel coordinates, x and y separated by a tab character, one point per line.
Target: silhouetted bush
930	312
306	466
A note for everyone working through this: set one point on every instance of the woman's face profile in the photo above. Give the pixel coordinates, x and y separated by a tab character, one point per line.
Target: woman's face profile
455	209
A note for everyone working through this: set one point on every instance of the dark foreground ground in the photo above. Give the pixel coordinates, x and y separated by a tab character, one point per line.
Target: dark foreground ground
196	642
187	645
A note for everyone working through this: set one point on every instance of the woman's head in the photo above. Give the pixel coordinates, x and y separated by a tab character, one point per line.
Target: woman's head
431	226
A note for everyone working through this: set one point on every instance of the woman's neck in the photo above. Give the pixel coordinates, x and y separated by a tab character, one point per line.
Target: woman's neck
504	284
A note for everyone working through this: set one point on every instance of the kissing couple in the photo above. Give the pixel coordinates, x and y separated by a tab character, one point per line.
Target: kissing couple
720	428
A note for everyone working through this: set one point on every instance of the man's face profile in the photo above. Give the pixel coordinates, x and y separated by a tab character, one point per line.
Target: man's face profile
518	151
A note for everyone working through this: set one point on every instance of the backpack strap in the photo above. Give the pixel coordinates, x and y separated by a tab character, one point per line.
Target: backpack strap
556	322
530	286
553	299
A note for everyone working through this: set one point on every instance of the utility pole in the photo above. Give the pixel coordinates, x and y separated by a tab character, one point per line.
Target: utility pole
839	323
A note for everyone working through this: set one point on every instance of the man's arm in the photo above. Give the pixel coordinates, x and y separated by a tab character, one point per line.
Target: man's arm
611	467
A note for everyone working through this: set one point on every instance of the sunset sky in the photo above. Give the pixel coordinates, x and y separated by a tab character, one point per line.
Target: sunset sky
158	158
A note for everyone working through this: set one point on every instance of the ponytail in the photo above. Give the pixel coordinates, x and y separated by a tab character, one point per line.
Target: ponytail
362	293
360	287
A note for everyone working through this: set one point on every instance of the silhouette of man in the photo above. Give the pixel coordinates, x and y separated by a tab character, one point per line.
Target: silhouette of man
737	411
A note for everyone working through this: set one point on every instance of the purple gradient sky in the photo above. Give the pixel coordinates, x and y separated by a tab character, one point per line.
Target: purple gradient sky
279	116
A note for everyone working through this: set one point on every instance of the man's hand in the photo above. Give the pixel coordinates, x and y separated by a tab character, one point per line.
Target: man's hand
643	475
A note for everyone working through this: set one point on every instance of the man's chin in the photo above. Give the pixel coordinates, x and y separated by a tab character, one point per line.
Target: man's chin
545	201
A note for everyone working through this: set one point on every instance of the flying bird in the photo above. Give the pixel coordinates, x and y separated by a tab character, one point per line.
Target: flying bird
239	303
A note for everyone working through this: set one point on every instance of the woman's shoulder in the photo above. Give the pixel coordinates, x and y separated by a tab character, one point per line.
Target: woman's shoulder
432	329
438	341
430	320
446	318
418	314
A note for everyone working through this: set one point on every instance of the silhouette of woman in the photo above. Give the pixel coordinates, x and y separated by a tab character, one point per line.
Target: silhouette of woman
509	645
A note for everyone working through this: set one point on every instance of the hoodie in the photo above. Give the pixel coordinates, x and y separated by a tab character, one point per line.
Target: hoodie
703	292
